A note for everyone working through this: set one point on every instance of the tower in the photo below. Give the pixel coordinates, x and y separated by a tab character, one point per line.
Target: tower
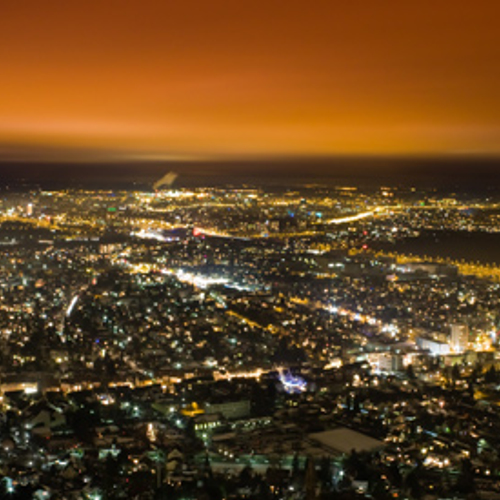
459	337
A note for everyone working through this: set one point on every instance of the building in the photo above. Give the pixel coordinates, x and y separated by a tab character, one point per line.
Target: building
231	410
386	361
342	441
433	346
459	337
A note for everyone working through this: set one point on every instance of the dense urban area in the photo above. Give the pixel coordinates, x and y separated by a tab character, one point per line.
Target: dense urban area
247	344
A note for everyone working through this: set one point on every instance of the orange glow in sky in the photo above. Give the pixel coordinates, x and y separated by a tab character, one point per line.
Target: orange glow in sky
162	78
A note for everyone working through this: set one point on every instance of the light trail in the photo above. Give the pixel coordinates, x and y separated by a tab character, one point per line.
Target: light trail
71	306
354	316
200	231
194	279
353	218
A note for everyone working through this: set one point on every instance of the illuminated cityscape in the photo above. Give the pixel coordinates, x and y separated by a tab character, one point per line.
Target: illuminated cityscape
247	343
249	250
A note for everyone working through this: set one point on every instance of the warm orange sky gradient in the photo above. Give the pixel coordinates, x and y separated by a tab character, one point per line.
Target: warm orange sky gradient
195	79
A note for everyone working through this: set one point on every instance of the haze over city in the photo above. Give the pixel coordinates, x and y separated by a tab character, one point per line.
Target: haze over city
195	80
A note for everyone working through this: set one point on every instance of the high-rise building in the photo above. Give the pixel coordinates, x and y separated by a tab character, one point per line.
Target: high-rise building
459	338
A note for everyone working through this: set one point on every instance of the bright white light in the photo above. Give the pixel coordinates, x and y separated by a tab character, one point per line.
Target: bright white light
71	306
197	279
151	234
352	218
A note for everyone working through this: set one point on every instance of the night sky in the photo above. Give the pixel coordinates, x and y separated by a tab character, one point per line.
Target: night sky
237	81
